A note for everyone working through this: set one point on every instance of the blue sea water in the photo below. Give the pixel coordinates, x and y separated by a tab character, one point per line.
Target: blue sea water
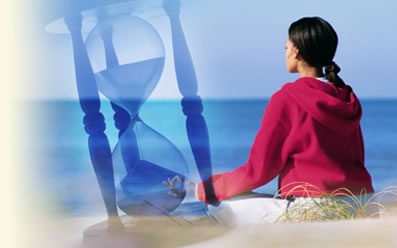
64	173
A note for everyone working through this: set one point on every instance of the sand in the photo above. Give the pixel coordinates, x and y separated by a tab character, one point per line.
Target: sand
163	232
199	231
363	233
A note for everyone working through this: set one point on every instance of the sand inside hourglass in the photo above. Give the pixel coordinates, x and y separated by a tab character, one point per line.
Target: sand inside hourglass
129	85
141	175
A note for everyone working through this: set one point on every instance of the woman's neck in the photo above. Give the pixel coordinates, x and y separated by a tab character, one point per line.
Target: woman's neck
309	71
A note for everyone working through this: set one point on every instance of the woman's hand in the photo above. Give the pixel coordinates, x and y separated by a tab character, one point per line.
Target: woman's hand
188	189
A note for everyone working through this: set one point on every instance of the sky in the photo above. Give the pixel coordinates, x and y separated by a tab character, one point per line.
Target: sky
237	48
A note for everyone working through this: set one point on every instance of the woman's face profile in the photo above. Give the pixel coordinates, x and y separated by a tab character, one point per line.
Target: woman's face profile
291	54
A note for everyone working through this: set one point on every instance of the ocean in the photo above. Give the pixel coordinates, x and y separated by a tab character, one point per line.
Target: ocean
64	176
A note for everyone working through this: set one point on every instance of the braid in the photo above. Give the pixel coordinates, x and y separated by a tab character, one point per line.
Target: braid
331	73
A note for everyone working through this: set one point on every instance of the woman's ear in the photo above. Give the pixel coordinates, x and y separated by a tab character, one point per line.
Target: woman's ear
297	54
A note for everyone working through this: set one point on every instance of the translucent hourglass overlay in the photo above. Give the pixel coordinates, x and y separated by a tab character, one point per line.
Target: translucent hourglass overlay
140	188
127	57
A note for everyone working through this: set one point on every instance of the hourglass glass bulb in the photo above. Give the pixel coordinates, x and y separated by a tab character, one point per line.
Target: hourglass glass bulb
127	57
141	189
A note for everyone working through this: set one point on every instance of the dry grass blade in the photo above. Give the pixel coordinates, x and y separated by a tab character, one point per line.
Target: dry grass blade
338	205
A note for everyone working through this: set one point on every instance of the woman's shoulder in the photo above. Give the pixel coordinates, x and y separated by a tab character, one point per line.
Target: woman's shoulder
280	104
281	95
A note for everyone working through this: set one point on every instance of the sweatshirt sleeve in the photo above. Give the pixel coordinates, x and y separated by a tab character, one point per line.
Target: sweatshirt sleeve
265	161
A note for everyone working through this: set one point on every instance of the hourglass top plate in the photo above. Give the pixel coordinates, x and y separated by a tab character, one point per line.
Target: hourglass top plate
147	9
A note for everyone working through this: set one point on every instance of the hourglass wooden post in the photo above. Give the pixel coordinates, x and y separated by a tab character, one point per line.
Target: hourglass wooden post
191	103
98	143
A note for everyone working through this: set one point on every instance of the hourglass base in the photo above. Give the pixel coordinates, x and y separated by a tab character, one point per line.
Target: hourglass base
100	235
155	231
156	204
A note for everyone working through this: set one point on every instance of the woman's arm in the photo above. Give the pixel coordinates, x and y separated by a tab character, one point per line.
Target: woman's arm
266	160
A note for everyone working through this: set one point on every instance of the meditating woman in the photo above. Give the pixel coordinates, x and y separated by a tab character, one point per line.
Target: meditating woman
310	134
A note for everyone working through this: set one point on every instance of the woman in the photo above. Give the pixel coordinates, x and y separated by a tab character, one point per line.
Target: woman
310	134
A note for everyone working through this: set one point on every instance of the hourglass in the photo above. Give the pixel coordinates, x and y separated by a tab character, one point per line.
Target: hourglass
127	57
123	58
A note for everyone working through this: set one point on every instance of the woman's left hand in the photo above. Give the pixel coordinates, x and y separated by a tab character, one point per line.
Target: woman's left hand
189	187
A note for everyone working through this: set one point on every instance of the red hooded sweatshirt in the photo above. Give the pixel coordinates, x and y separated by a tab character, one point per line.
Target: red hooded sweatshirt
310	136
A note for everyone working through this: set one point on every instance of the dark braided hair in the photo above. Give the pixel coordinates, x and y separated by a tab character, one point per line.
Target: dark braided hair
317	41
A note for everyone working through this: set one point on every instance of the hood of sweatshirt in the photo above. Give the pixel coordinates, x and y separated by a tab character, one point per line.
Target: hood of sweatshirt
336	108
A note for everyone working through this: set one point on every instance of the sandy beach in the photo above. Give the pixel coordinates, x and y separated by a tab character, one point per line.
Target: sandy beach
353	233
83	232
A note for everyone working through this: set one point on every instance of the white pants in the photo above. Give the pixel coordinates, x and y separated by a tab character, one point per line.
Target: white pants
252	208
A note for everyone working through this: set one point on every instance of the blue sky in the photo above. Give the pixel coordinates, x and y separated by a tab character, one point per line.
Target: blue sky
238	48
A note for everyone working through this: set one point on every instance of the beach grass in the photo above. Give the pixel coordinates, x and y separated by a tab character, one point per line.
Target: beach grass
341	204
